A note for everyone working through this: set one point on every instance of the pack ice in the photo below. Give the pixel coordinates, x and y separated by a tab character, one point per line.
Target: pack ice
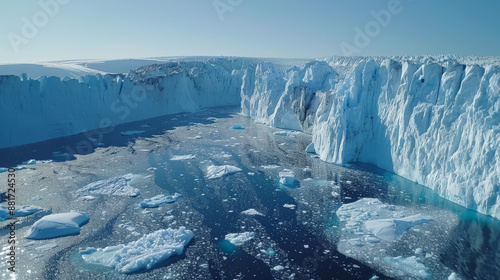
143	254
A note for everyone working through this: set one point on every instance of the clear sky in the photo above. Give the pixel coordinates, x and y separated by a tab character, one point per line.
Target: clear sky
112	29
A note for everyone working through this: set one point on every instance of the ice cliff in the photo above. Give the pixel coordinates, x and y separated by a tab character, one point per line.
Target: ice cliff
433	120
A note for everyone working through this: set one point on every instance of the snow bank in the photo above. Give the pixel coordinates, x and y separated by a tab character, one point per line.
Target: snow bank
239	239
143	254
214	171
57	225
119	186
159	199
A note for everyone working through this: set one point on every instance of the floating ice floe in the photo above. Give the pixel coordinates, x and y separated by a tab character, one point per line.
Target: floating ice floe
57	225
392	229
19	212
389	237
287	177
183	157
290	206
237	126
160	199
119	186
239	239
310	149
143	254
215	171
132	132
252	212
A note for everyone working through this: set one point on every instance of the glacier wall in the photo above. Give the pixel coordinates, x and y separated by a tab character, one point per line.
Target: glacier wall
437	124
34	110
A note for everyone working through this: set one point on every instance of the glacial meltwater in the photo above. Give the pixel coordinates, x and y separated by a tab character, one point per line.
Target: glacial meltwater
214	195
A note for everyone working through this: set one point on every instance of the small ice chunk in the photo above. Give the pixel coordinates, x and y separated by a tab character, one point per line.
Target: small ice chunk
289	206
143	254
310	149
392	229
453	276
278	268
119	186
237	126
132	132
159	199
252	212
269	252
87	198
57	225
239	239
411	266
287	177
214	171
29	162
19	212
183	157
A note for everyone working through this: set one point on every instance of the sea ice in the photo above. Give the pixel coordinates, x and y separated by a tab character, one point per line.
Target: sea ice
57	225
159	199
214	171
19	212
252	212
143	254
287	177
239	239
392	229
119	186
183	157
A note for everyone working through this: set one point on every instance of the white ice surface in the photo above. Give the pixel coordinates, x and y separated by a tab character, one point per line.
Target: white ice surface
392	229
252	212
214	171
183	157
119	186
159	199
143	254
57	225
239	239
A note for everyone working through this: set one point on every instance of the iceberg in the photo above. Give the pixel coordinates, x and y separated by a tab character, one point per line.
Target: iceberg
183	157
287	177
159	199
239	239
119	186
214	171
252	212
143	254
19	212
57	225
310	149
237	126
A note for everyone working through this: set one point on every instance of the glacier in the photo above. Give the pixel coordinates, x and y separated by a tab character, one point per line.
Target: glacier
434	120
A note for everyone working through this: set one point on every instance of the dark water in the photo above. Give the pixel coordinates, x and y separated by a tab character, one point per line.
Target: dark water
303	237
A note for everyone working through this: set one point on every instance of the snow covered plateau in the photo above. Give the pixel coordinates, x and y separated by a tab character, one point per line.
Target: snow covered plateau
434	120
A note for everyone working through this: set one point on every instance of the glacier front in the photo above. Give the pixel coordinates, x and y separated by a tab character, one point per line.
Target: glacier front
433	120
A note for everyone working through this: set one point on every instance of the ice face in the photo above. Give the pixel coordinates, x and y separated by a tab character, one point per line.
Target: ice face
119	186
287	177
239	239
214	172
159	199
57	225
143	254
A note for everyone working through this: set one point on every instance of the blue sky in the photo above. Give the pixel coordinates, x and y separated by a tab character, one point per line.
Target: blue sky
115	29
